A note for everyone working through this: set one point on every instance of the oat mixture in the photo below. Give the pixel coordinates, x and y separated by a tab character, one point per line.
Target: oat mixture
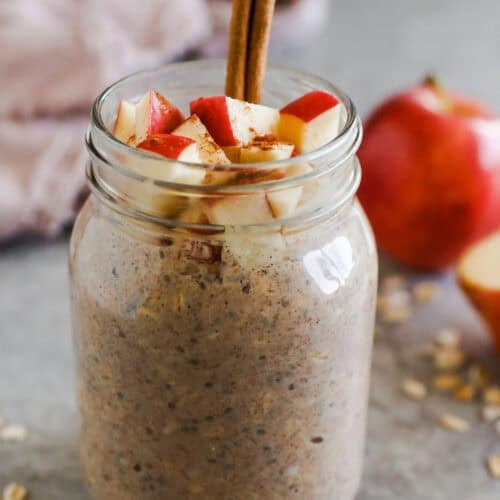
204	376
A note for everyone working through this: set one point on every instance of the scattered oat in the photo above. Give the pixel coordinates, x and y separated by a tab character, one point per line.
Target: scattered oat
397	298
493	465
490	413
413	389
393	282
449	359
454	423
448	337
491	395
394	306
13	432
425	291
15	491
447	381
397	314
466	392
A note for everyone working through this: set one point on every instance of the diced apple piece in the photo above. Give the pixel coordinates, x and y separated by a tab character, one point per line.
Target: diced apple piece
219	177
172	146
155	198
232	210
155	114
232	122
124	127
311	121
479	276
298	169
210	151
284	202
261	151
251	250
257	175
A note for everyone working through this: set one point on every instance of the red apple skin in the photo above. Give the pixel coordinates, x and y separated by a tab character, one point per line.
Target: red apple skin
164	115
214	114
310	105
167	145
431	175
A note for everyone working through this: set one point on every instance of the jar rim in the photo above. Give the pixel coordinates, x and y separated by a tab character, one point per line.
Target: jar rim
302	219
345	143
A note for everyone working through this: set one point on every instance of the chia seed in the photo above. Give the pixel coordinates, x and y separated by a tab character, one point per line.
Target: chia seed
317	440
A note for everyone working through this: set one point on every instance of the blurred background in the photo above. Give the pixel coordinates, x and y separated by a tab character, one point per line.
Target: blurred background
57	55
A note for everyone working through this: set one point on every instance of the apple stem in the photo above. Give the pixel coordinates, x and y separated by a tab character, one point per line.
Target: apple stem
432	82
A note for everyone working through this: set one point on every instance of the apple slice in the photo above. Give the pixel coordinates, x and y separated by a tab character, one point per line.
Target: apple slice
311	121
172	146
479	277
247	248
156	199
266	150
284	202
238	209
232	122
210	151
179	148
124	128
155	114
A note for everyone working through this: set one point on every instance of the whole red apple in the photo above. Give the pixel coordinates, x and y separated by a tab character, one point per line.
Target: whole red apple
431	174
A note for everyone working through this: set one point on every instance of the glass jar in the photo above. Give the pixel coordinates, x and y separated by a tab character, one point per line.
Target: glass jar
221	362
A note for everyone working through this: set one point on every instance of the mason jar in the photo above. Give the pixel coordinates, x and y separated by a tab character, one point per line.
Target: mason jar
221	361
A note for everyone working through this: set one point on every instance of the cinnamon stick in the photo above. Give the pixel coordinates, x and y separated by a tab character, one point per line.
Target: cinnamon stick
248	44
258	43
238	47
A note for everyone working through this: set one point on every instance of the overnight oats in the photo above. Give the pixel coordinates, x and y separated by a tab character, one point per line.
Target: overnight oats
223	291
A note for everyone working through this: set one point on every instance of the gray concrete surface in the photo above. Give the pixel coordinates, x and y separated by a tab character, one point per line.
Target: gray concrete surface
369	48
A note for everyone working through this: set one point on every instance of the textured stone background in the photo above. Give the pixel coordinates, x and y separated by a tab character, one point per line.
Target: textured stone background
370	49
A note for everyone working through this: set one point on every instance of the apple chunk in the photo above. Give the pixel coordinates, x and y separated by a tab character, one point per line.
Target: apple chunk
232	210
179	148
210	151
155	114
157	199
232	122
247	248
284	202
479	277
266	150
124	127
311	121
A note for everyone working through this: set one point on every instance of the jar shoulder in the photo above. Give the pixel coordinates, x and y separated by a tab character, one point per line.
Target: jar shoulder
116	264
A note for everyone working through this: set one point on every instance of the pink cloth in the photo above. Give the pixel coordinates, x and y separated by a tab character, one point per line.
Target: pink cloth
56	56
